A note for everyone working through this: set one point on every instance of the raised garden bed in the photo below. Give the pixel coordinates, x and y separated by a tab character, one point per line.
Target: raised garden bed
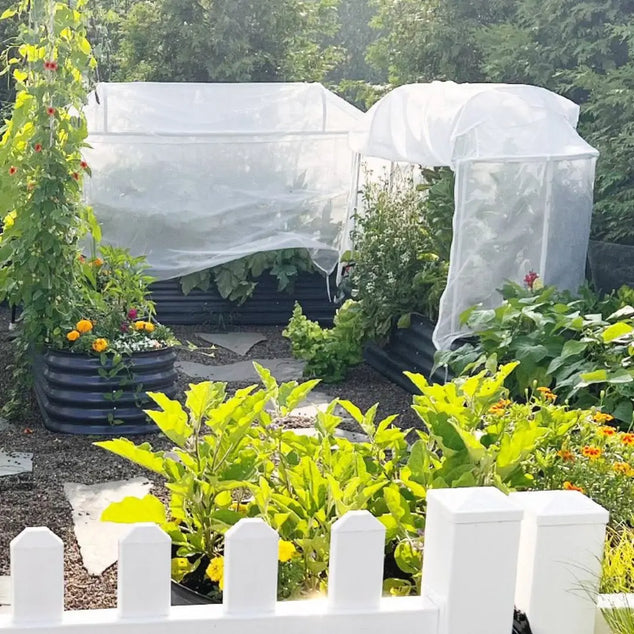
75	397
266	307
409	349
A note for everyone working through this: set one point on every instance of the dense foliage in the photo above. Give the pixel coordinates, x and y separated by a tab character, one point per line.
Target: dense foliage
237	280
581	347
398	266
233	459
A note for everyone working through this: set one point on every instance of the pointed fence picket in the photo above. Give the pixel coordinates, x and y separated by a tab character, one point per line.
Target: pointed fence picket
474	539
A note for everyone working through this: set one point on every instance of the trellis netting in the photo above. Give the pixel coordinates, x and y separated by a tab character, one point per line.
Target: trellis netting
196	175
523	188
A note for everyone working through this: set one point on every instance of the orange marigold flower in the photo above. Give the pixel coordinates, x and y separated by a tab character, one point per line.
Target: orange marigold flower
99	345
622	467
627	439
98	262
607	431
73	335
602	417
84	326
12	170
547	393
569	486
149	327
591	452
139	325
566	455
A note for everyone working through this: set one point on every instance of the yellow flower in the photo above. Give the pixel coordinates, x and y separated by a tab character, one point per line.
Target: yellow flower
139	325
9	219
622	467
149	327
99	345
216	571
286	551
73	335
591	452
607	431
601	417
84	326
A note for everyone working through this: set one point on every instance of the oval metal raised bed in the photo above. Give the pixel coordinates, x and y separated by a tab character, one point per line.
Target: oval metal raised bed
75	398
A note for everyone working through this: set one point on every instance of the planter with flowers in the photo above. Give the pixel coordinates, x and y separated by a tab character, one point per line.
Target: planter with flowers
94	376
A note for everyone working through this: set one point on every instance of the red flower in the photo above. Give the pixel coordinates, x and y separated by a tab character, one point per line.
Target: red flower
84	165
75	175
38	147
132	313
50	65
124	327
530	279
12	170
50	111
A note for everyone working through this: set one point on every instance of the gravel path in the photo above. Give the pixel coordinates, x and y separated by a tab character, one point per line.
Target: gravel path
62	458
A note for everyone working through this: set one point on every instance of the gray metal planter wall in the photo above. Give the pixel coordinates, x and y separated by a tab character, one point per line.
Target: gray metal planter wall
267	306
409	349
75	399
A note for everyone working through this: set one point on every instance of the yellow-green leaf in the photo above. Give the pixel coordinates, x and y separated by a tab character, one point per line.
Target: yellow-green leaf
131	510
615	331
172	421
139	454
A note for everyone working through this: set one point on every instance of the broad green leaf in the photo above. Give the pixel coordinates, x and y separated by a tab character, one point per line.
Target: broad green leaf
132	509
139	454
589	378
615	331
408	558
172	421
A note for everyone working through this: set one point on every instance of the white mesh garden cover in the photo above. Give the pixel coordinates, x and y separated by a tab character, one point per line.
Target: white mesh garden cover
195	175
524	182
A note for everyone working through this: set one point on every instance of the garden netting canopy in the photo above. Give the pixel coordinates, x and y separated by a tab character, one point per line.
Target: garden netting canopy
196	175
523	189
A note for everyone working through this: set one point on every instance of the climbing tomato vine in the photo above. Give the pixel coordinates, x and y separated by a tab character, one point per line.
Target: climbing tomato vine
41	171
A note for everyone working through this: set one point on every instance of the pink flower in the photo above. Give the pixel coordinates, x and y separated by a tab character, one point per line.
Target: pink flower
530	279
132	313
124	326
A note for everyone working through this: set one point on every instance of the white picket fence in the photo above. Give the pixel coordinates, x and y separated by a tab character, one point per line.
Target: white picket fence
484	552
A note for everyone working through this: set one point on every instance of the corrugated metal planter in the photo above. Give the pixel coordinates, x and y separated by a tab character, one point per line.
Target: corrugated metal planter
409	349
74	398
267	306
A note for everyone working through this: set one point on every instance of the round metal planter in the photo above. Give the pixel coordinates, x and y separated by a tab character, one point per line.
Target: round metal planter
75	398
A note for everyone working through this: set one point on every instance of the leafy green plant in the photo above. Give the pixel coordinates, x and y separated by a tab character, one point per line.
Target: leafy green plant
328	352
237	280
42	171
478	437
617	576
581	347
401	249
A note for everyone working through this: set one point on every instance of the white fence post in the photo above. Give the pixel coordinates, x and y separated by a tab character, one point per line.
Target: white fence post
250	568
561	548
144	573
357	548
469	562
37	576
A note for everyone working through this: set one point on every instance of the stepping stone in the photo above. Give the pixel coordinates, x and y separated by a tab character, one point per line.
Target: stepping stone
16	470
238	342
98	541
243	371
